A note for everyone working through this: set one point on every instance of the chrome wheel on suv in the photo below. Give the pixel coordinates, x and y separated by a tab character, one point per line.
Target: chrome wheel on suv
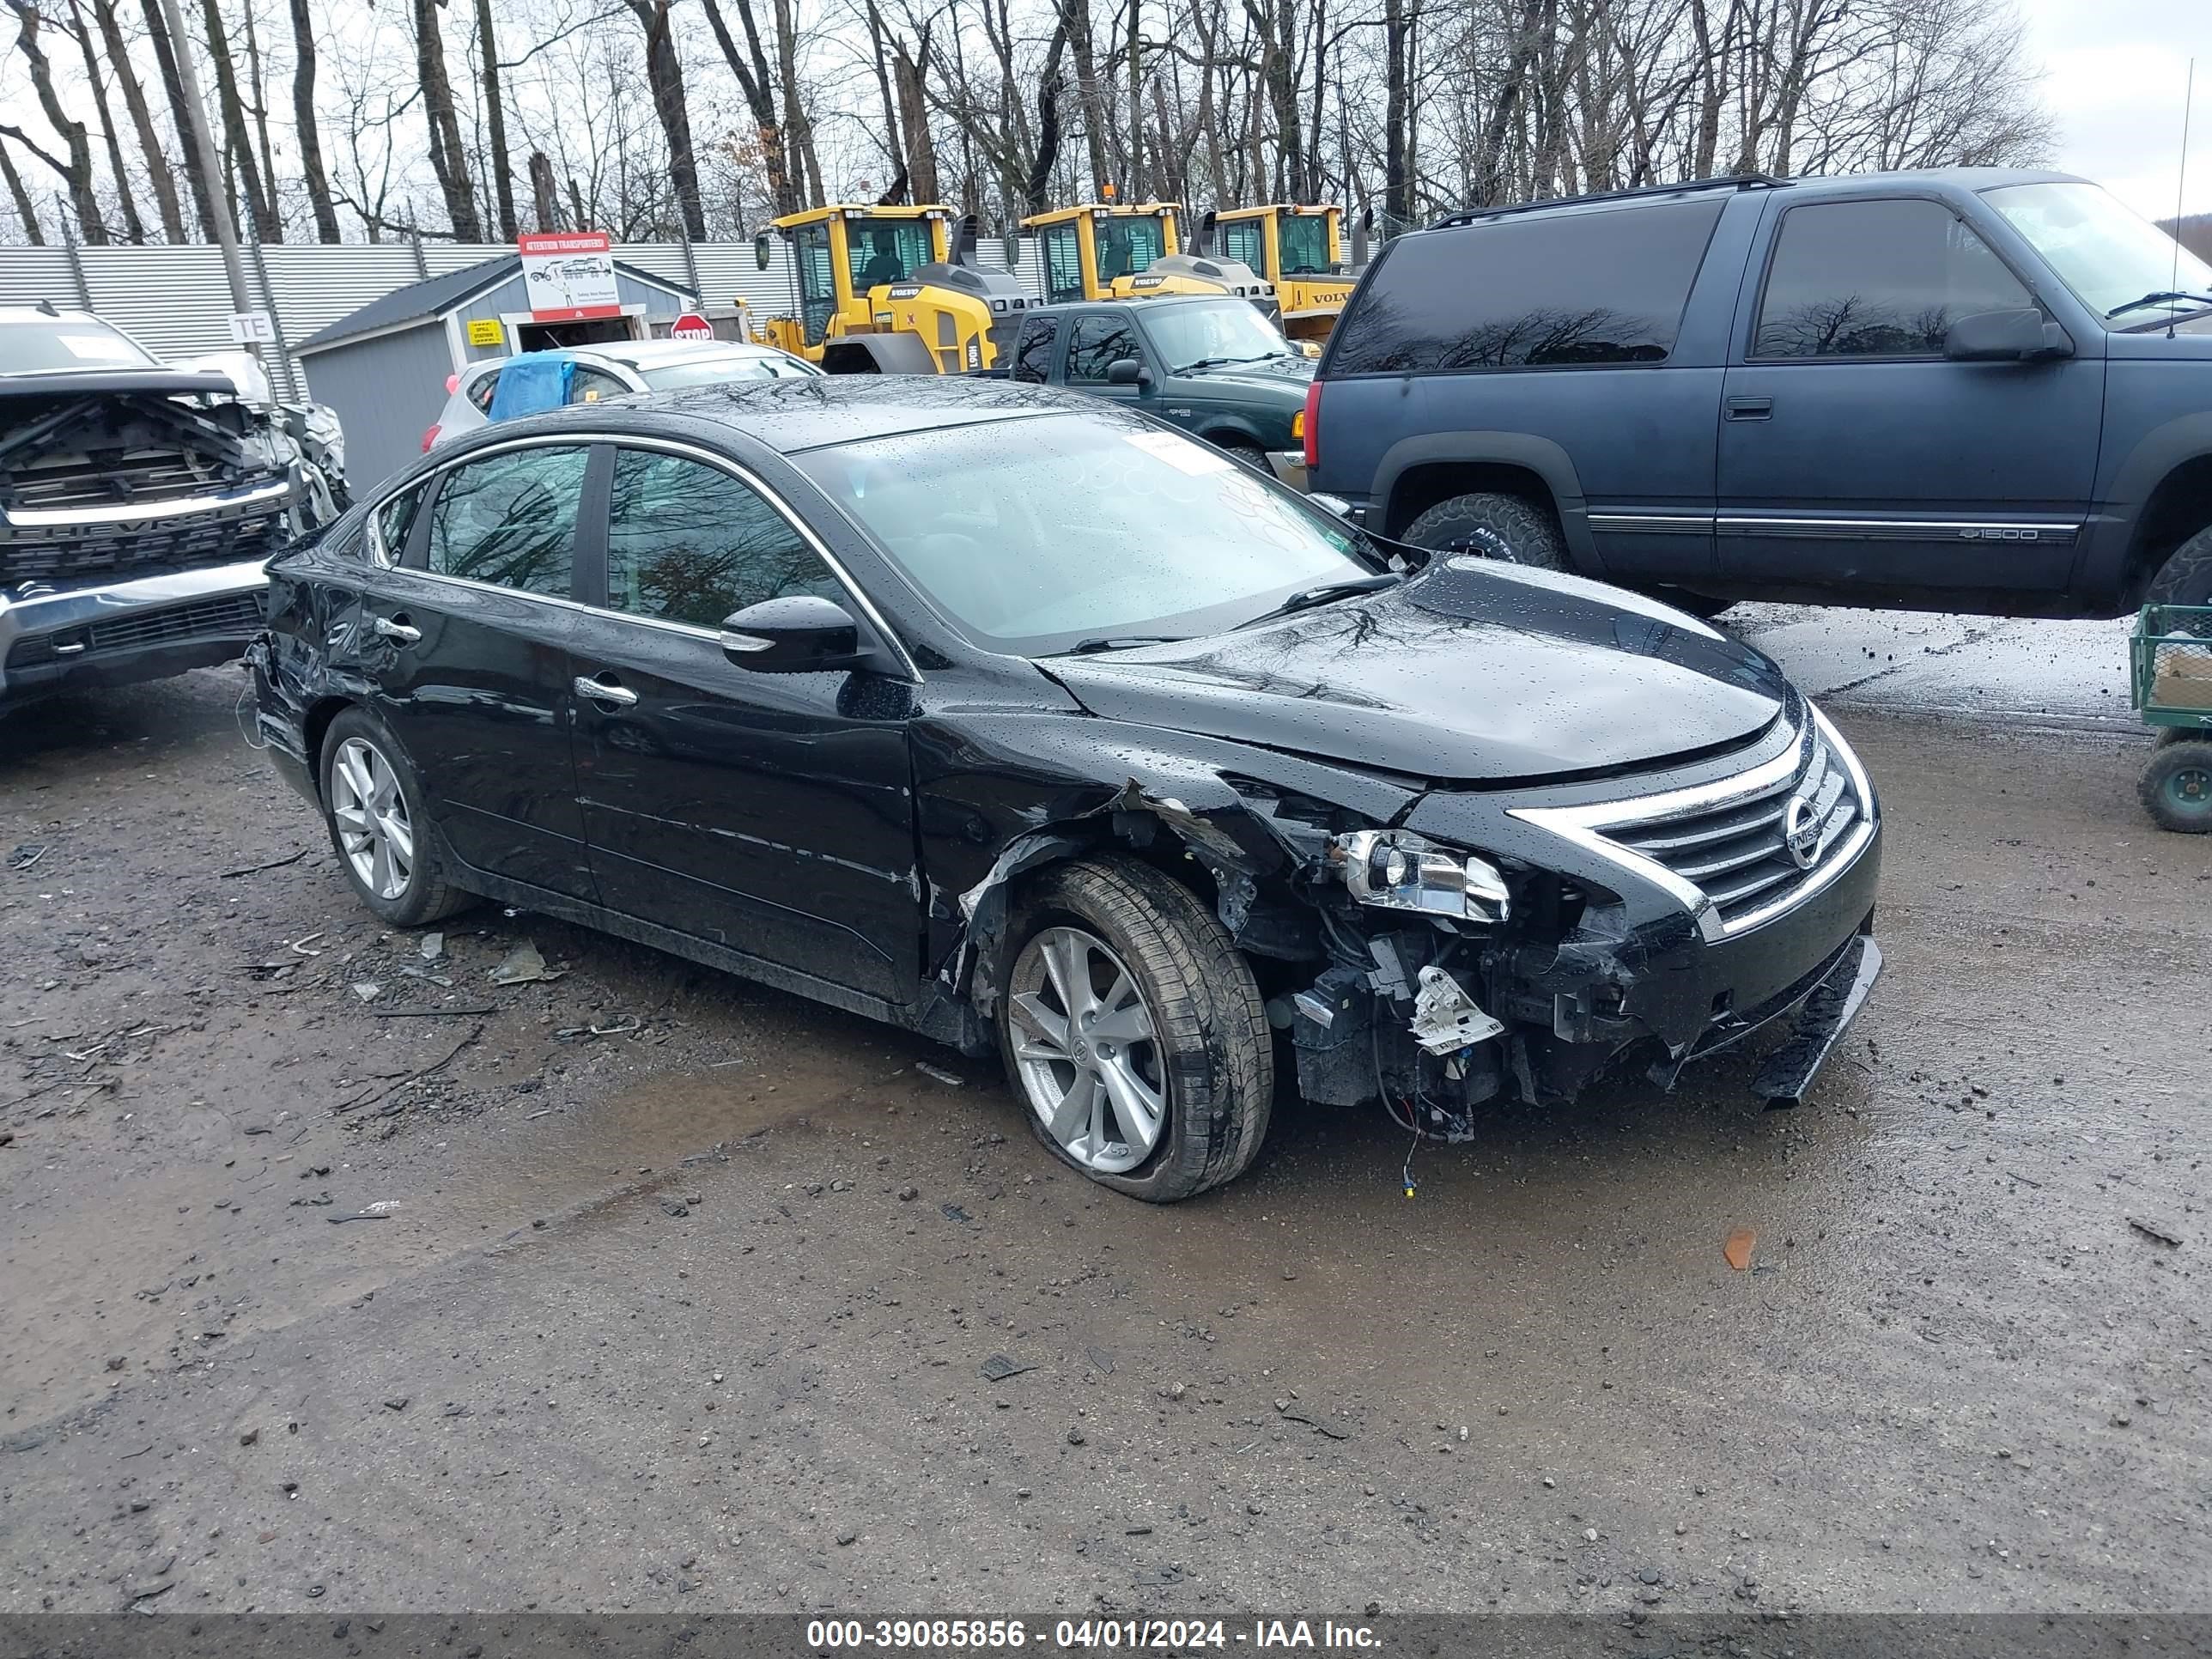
1086	1050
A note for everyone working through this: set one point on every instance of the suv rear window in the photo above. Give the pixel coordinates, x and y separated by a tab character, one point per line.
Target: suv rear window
1539	291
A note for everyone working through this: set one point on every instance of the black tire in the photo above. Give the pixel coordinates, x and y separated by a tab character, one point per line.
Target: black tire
1492	527
2177	787
1240	447
1214	1054
2186	577
425	895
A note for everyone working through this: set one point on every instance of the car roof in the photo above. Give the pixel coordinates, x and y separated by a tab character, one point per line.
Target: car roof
790	416
1156	302
637	354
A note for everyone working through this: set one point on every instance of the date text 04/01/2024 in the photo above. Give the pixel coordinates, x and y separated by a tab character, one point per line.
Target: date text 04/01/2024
1142	1635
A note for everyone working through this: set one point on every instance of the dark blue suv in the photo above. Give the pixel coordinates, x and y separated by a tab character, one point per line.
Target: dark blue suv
1971	389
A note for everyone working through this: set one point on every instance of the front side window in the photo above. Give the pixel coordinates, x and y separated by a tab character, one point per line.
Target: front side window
1063	264
510	519
1127	245
2114	262
1034	534
1564	291
689	543
1303	240
1097	343
1033	362
1877	279
593	386
1245	242
884	251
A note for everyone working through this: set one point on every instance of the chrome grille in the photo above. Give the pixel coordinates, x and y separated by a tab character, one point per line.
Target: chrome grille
1737	854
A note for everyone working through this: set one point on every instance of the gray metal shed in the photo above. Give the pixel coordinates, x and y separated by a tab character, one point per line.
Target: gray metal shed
384	366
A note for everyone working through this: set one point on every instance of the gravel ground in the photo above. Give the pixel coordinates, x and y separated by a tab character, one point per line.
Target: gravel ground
643	1287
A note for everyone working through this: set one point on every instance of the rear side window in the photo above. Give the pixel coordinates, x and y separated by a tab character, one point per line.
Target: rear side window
1536	292
1033	362
389	524
510	519
1877	279
481	390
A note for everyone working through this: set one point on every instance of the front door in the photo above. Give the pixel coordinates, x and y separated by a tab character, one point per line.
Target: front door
1854	456
468	636
772	814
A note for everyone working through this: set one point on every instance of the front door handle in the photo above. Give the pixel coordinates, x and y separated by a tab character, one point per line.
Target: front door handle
1751	409
605	689
399	628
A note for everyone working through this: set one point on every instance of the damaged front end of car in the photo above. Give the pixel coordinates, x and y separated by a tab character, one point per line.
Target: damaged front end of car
1438	949
137	509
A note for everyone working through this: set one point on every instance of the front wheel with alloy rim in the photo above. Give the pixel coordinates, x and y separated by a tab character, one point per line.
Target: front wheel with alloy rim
374	806
2176	786
1511	528
1133	1031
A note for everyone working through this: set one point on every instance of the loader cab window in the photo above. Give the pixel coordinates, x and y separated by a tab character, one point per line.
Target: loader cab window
1303	241
1126	246
817	284
1244	242
885	250
1063	264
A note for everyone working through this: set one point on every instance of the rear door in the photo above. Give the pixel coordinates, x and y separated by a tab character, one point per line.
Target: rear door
770	814
1854	456
468	637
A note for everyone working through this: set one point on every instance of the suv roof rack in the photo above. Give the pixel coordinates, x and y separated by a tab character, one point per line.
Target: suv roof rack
1733	181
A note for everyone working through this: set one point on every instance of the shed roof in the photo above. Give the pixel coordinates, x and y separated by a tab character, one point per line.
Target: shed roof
435	296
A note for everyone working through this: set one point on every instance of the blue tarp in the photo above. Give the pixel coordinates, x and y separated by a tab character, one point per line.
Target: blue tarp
530	384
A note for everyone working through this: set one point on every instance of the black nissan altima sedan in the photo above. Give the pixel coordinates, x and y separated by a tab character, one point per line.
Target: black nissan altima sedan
1022	721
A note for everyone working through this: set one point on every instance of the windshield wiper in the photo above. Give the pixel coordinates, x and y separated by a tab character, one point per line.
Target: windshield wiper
1118	642
1306	598
1226	362
2157	299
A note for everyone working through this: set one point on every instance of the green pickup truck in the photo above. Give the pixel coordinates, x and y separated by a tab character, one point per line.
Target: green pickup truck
1214	367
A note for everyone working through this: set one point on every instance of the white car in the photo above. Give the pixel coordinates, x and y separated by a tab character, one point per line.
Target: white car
615	370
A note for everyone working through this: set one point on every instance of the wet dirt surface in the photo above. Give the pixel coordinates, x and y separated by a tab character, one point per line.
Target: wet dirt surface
648	1288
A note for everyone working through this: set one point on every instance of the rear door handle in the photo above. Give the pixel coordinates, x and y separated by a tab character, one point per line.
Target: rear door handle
1751	409
605	689
397	627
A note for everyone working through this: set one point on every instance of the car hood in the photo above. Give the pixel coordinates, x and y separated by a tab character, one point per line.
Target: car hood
1469	672
84	382
1284	376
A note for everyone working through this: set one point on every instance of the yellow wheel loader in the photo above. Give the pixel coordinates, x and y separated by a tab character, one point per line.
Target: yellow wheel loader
1298	249
1107	251
891	290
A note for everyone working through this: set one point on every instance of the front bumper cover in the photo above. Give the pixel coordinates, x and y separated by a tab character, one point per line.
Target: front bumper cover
62	635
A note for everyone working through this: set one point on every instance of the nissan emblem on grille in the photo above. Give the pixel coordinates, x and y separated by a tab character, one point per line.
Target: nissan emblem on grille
1801	832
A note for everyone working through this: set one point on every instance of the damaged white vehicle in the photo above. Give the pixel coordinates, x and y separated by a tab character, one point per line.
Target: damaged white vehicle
139	504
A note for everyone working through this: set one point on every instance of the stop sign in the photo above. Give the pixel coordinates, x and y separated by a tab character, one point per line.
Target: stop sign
691	326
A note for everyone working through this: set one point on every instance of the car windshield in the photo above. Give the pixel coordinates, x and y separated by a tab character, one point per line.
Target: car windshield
2103	251
66	343
1302	239
1214	331
735	366
1033	535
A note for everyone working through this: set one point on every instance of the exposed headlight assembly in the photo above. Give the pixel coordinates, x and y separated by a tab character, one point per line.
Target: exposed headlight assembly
1395	870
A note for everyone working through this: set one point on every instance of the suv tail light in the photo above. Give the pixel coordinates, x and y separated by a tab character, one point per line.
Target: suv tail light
431	437
1311	427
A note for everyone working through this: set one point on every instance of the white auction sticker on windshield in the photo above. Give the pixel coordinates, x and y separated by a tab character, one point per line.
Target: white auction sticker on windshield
1196	459
101	348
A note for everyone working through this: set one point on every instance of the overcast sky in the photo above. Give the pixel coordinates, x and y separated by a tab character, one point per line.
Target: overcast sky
2115	70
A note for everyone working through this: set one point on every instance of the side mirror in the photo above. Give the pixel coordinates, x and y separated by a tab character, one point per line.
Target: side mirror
1127	371
1208	223
799	634
2005	336
761	249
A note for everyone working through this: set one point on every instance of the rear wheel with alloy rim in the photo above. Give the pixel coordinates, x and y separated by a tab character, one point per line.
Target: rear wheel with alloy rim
1133	1031
375	810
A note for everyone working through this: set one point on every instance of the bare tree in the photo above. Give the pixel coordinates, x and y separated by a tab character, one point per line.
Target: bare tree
75	172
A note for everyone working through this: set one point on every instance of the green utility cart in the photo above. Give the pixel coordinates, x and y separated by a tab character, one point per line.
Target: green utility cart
2170	660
